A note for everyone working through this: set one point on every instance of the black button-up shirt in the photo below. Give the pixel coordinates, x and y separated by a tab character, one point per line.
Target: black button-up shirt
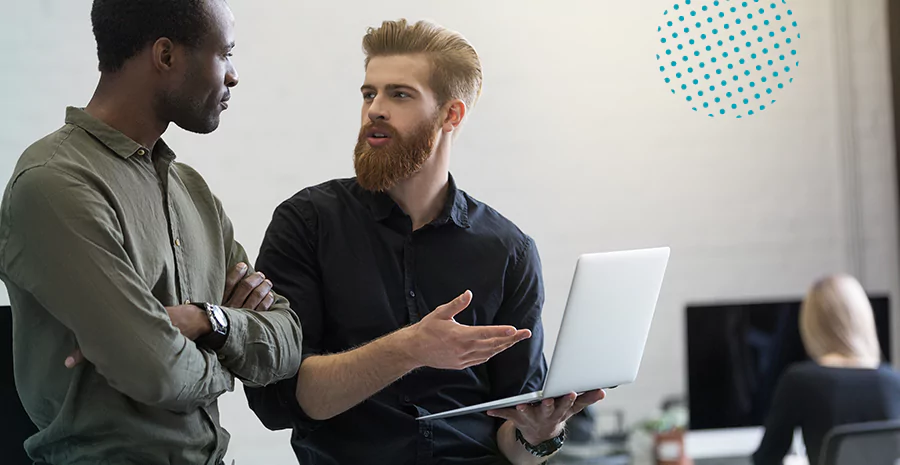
354	270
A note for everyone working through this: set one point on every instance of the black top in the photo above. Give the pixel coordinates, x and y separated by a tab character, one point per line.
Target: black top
817	398
353	269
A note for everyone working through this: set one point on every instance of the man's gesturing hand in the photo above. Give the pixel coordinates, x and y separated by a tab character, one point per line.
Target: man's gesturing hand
438	341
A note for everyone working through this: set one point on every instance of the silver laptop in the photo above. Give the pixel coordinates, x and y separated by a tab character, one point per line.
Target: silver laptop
604	328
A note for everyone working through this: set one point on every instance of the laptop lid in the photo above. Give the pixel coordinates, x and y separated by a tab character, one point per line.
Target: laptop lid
607	318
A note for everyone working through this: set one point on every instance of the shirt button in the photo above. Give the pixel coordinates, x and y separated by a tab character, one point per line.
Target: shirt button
142	152
427	434
412	293
177	243
187	301
406	399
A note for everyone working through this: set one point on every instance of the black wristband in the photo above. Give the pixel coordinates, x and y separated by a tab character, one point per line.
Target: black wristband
545	448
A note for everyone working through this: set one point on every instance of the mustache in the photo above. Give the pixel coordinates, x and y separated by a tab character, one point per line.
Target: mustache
377	127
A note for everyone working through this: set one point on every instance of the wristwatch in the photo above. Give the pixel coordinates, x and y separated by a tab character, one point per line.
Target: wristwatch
545	448
215	339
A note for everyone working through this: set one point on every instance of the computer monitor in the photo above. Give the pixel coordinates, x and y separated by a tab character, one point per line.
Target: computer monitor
737	351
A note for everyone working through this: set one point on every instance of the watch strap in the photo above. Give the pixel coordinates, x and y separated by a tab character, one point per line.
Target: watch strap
545	448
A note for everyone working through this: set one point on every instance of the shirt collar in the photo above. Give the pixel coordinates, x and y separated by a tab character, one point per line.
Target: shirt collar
456	207
112	138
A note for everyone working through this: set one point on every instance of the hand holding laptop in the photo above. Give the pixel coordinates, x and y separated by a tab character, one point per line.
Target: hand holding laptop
601	340
544	421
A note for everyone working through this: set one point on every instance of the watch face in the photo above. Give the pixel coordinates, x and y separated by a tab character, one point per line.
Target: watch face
219	315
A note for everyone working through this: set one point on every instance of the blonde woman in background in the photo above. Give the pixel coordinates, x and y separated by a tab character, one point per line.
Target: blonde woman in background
845	382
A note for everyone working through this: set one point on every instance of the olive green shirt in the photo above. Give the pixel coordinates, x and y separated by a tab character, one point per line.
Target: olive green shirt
97	235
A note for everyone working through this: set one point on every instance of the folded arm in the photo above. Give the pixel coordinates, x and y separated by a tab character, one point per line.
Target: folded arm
65	247
262	346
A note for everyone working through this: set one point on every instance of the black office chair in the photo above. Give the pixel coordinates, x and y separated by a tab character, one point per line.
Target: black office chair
16	426
874	443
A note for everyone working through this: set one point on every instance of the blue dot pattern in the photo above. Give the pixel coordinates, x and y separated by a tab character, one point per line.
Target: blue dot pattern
752	42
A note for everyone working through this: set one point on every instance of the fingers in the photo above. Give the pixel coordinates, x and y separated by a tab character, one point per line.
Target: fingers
563	408
511	414
495	345
534	414
244	288
494	336
548	406
266	302
494	332
587	398
74	358
452	308
477	358
482	351
548	412
232	278
258	294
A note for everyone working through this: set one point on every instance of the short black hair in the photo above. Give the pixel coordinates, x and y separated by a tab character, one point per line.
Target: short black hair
123	28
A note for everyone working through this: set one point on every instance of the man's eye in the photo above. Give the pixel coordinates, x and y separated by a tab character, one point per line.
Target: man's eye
401	95
369	95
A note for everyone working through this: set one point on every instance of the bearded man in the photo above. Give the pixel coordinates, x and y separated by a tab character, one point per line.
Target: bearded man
364	261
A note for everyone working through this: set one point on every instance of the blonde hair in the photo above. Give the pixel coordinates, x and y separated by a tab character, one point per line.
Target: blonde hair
455	67
836	318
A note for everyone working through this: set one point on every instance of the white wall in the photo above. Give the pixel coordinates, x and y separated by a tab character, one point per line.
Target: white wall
576	139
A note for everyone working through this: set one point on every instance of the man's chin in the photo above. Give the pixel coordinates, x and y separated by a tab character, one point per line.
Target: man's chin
376	180
200	127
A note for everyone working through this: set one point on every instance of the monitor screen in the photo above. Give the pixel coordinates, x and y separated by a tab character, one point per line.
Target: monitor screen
736	353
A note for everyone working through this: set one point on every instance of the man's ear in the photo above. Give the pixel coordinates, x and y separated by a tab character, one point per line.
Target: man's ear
163	54
456	113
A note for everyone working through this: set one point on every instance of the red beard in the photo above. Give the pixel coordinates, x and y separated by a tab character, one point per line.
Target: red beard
381	168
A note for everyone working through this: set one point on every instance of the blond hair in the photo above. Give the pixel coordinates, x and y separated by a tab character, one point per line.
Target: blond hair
455	67
836	318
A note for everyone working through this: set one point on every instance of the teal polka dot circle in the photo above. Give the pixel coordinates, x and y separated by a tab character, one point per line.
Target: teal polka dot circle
728	57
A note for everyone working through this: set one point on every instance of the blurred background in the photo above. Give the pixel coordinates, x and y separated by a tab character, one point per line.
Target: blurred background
579	141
